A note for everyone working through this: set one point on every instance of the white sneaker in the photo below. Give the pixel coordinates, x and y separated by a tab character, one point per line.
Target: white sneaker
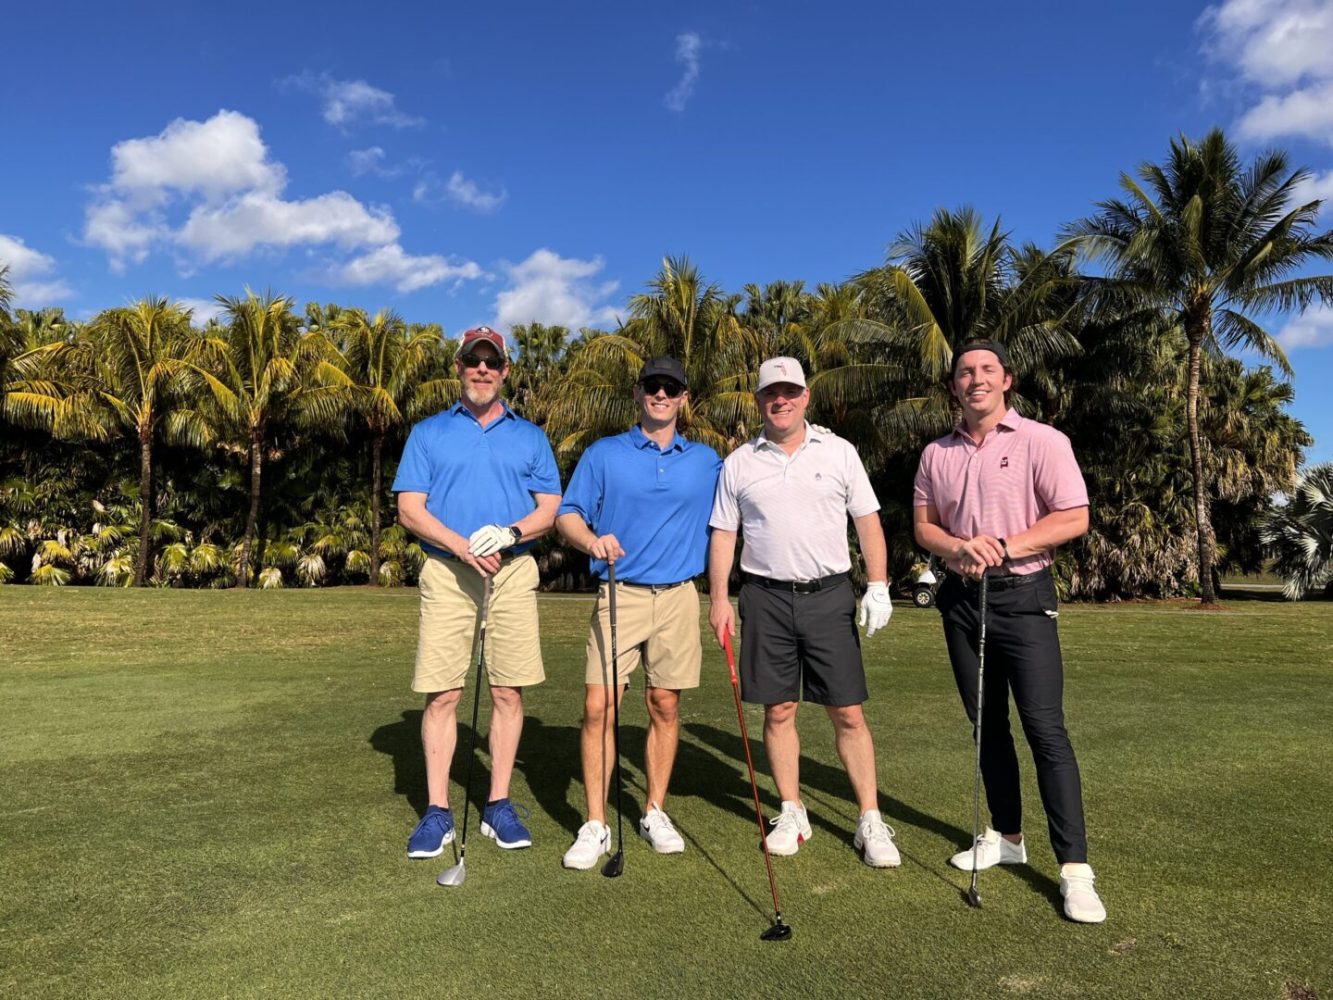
1082	904
656	828
593	841
791	829
874	839
992	850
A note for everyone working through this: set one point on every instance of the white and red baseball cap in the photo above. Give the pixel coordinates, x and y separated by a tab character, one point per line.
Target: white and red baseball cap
484	334
776	370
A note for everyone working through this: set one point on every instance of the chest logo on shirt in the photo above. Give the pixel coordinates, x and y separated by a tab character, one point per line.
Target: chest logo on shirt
1004	462
818	476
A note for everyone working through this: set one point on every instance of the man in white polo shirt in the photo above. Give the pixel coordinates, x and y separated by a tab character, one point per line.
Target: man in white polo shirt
789	493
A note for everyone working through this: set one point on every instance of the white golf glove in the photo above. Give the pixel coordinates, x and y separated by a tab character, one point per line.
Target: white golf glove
490	539
876	608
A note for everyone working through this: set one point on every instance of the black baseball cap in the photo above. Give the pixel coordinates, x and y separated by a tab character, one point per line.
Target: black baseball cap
664	367
993	346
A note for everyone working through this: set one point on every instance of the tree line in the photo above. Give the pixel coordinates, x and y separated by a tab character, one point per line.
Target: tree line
255	449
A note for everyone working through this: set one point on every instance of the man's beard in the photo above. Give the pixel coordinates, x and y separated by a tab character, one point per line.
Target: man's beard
481	395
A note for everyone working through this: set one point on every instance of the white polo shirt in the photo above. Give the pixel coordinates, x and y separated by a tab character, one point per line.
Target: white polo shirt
792	511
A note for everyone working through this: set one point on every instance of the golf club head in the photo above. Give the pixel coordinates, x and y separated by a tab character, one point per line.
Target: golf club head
973	898
778	932
615	865
452	876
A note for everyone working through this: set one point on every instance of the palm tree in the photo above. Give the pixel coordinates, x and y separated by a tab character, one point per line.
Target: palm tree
252	372
1300	535
383	374
1212	246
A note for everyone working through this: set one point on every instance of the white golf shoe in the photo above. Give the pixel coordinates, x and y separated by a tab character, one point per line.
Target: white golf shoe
992	850
874	839
1082	905
791	829
656	828
593	840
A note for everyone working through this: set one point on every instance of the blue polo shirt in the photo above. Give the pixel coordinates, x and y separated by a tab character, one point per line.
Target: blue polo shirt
656	501
474	475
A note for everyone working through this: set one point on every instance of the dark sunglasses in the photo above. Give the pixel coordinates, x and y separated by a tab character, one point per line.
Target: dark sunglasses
670	386
477	360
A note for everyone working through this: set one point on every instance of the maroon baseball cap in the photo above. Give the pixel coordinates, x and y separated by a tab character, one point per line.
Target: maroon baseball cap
484	334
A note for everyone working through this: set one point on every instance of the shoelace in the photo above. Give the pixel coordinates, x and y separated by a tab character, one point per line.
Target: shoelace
509	811
785	821
880	832
658	820
1079	883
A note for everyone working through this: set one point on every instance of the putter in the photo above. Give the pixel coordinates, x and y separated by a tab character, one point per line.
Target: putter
616	864
456	874
779	931
974	897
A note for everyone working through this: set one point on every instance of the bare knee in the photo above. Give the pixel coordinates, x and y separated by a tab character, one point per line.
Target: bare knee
596	706
847	718
663	705
780	715
442	704
507	700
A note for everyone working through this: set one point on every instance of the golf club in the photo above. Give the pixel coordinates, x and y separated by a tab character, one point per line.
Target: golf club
456	874
974	897
779	931
616	864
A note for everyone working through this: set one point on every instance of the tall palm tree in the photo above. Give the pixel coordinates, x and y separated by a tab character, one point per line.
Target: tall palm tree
1212	245
253	374
134	360
383	374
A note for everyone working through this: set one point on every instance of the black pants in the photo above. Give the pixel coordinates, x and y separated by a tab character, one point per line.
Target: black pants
1022	656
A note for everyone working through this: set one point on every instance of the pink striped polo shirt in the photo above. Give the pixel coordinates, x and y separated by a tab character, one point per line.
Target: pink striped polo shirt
1021	471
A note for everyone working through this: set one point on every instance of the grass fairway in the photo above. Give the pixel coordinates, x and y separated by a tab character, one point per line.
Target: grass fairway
208	795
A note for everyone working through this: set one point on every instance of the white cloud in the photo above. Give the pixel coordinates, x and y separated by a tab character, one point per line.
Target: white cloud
201	310
1307	112
1316	187
363	161
547	288
208	191
1314	328
31	274
390	265
257	219
1281	47
688	49
430	190
213	158
347	103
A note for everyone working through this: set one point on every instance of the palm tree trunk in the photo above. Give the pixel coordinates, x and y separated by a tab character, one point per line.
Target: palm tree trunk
251	519
377	484
1203	520
145	504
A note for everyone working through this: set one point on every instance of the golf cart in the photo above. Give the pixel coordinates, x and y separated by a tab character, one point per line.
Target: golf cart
927	581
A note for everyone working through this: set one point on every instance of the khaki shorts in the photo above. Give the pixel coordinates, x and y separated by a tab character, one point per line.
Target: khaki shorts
661	630
450	602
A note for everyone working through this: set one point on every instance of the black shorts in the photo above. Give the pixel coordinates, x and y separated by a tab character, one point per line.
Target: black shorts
800	647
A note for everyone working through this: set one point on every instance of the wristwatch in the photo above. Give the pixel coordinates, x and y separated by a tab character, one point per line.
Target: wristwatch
517	532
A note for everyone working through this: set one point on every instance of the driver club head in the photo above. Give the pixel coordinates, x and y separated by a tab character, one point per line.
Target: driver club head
452	876
615	865
778	932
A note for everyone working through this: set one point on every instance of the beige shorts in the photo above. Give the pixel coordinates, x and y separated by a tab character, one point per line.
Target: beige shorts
661	630
450	602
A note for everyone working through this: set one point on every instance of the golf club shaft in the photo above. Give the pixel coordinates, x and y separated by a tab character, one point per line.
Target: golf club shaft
615	702
476	702
982	590
754	787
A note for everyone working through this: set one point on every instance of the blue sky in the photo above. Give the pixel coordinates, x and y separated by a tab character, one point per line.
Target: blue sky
469	163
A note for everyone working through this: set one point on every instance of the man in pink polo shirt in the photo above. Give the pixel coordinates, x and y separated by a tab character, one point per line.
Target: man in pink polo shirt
997	496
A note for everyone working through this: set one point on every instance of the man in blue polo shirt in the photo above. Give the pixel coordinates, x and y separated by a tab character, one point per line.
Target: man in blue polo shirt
477	485
641	500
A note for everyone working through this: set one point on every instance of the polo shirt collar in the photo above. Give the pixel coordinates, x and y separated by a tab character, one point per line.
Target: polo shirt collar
1010	422
458	408
641	440
812	434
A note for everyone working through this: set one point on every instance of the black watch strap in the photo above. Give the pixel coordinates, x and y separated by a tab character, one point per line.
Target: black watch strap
1005	545
517	532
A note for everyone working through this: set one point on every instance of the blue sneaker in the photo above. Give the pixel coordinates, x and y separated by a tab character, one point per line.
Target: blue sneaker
501	823
434	831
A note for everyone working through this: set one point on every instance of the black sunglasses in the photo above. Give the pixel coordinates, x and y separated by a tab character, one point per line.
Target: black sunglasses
477	360
670	386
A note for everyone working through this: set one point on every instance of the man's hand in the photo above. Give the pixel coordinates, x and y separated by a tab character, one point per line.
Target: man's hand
721	619
490	539
606	547
876	607
979	554
485	565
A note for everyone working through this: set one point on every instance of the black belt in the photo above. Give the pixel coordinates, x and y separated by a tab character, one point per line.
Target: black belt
797	586
656	588
1000	581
